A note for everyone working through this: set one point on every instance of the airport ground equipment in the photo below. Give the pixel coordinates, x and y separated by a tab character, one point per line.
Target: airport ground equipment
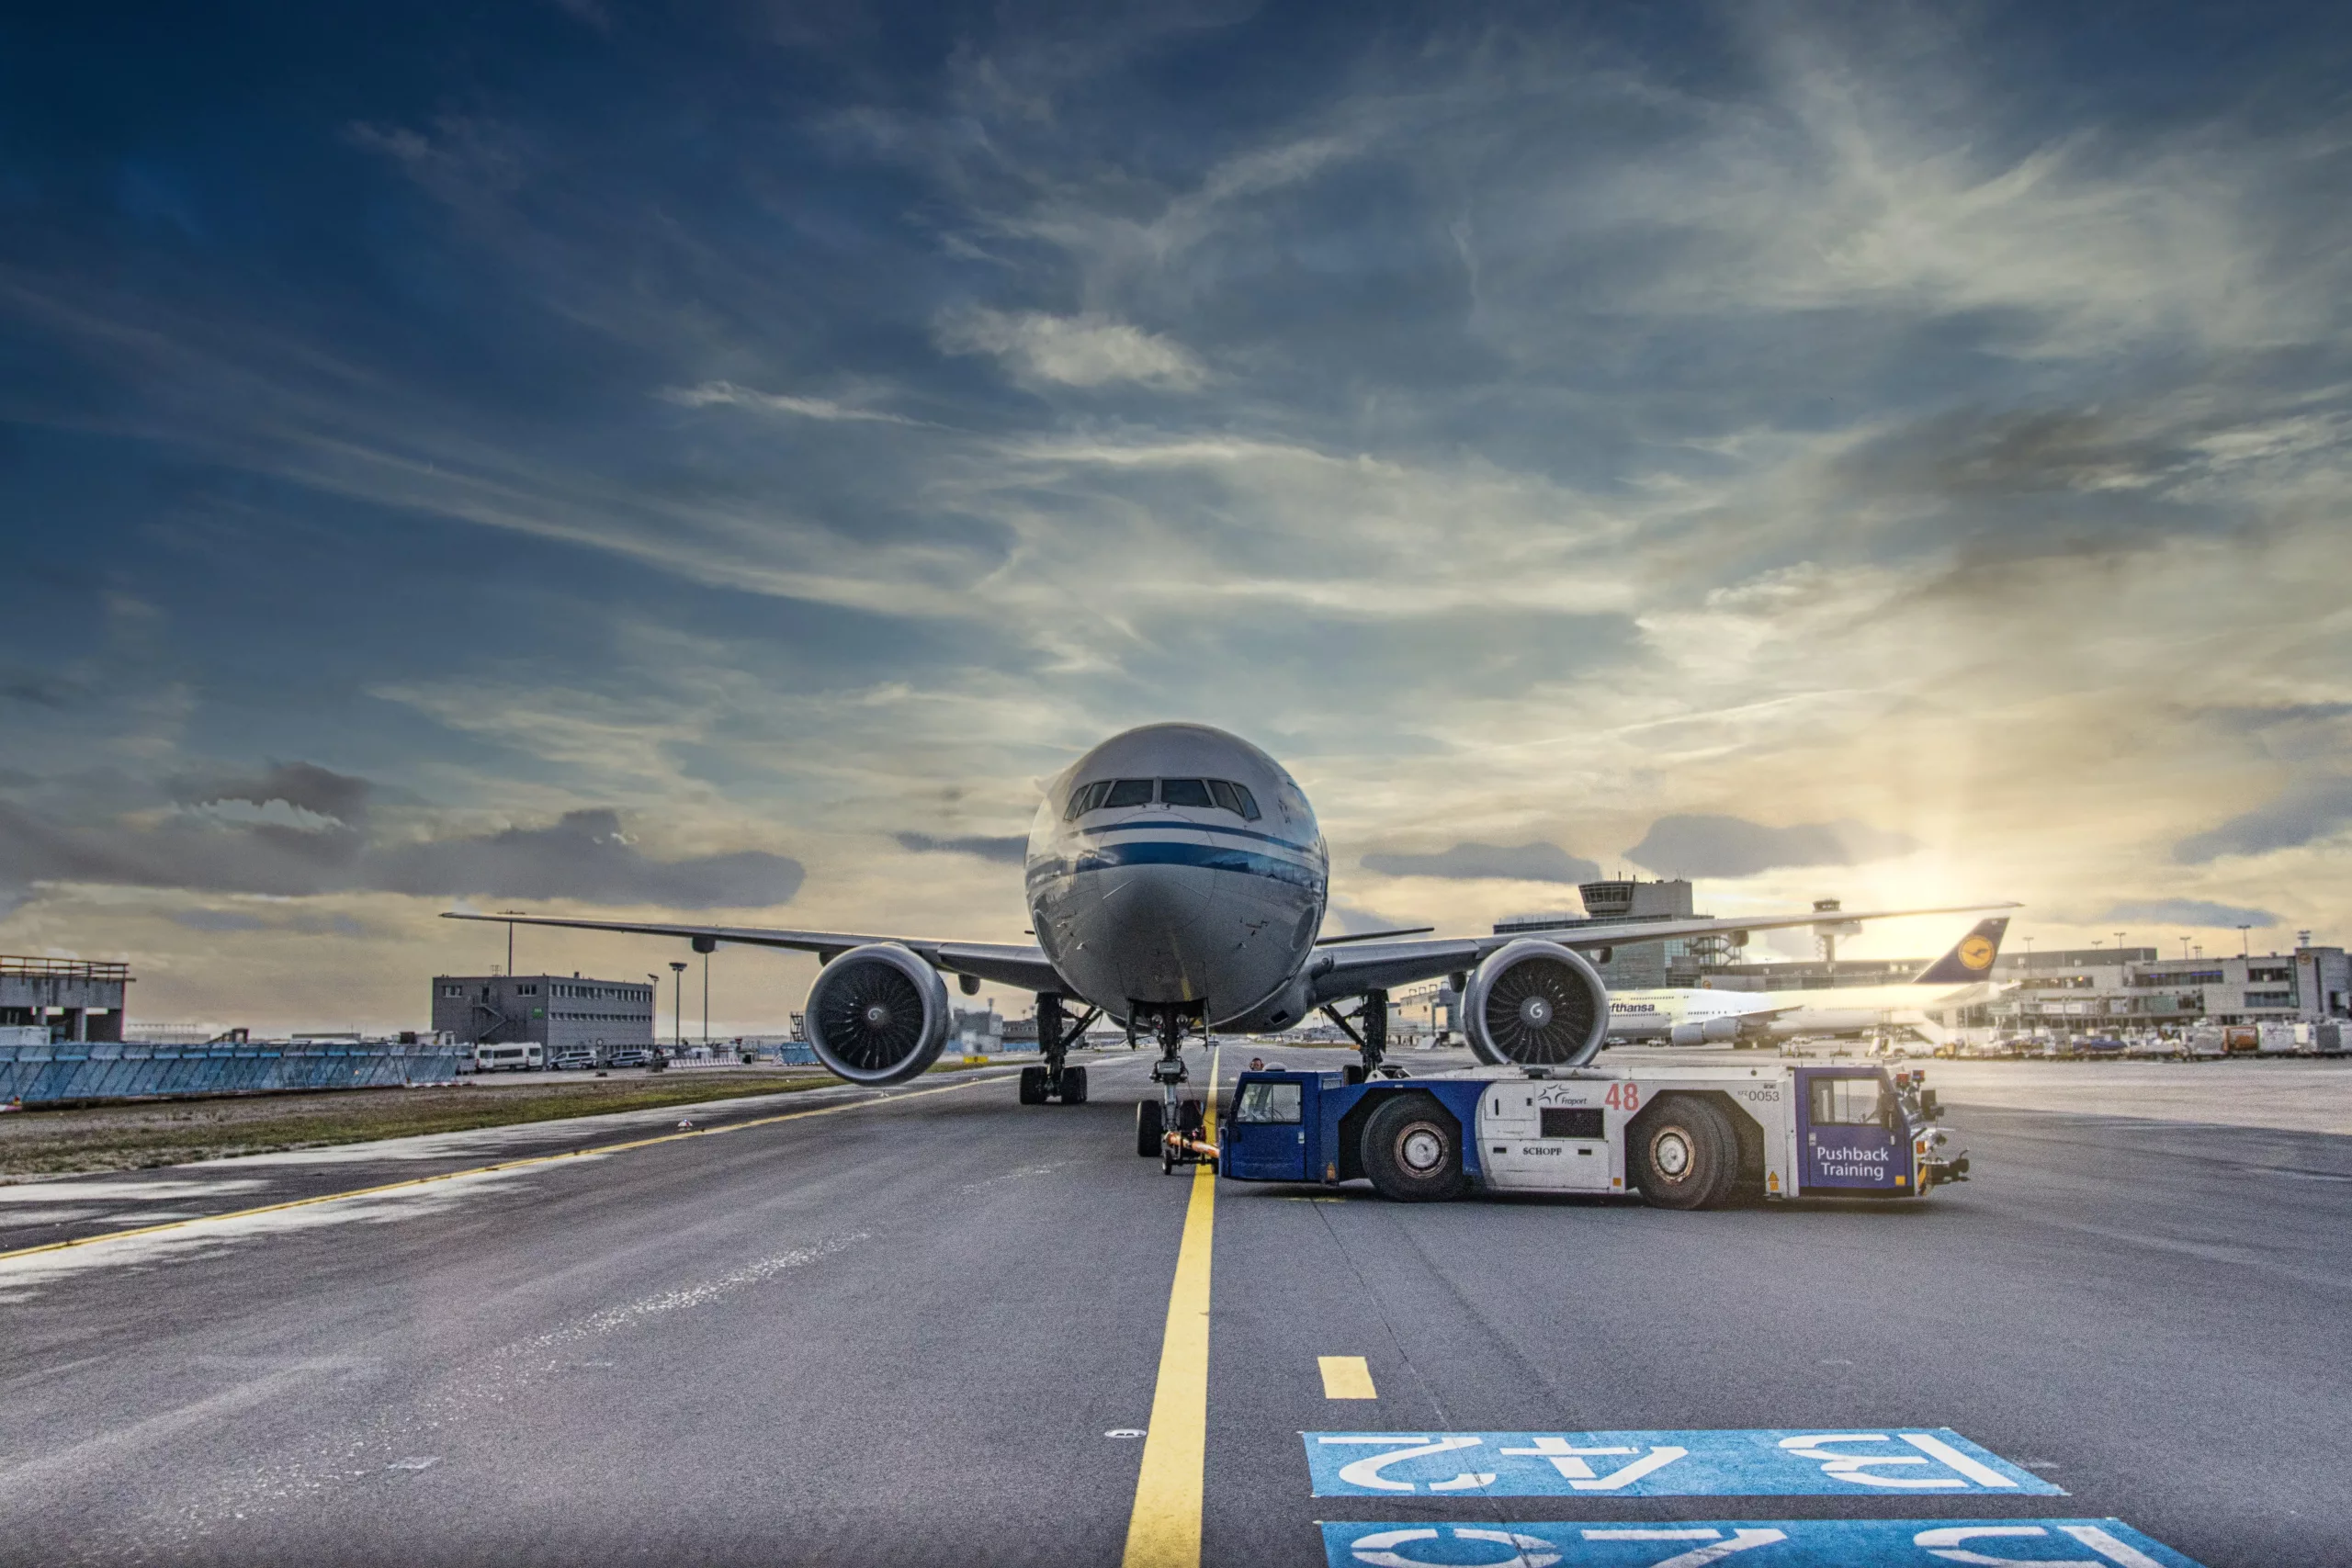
1682	1137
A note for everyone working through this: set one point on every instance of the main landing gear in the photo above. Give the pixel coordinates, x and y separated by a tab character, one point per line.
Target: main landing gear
1171	1126
1372	1040
1052	1078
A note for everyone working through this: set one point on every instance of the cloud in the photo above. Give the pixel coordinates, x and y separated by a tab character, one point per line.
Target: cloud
305	786
2310	810
583	855
727	394
1705	845
2201	912
1520	862
1008	849
238	920
1075	351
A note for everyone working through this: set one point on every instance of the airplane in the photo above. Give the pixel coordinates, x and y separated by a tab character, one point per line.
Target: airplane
1176	881
1705	1015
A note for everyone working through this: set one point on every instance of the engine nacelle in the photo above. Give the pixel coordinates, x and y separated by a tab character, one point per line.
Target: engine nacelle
878	1014
1536	1004
1713	1031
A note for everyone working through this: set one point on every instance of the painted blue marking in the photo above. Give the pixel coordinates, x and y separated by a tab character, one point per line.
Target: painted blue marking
1766	1543
1893	1461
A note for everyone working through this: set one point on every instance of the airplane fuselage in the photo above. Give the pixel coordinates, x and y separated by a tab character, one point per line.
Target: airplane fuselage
1176	865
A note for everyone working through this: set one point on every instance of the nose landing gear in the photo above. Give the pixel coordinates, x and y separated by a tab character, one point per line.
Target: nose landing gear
1171	1126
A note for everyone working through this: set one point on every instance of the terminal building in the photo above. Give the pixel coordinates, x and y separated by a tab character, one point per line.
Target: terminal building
63	999
553	1011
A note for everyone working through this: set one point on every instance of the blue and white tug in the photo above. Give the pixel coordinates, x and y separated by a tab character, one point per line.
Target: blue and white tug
1682	1137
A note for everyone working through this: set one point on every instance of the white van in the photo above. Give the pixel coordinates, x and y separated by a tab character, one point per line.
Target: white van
509	1058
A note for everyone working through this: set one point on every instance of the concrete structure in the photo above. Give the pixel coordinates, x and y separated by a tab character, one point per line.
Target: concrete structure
553	1011
70	998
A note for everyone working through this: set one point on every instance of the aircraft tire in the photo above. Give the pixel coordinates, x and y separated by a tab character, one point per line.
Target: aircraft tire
1033	1086
1684	1155
1147	1128
1412	1151
1073	1086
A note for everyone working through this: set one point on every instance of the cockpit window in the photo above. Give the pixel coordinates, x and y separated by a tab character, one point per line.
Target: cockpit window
1185	791
1088	798
1234	798
1127	792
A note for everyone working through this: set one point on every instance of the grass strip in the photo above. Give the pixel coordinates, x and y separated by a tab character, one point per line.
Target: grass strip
143	1136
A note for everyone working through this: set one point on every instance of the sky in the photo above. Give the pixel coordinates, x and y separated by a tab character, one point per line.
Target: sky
716	462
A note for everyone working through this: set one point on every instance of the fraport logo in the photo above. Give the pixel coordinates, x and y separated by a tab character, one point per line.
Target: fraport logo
1976	952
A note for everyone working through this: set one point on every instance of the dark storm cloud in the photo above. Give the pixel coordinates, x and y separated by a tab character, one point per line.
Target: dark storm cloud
1705	845
583	855
304	785
2201	912
2310	810
1008	850
1537	861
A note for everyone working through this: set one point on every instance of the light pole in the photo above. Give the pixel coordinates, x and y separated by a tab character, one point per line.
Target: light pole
678	968
2243	951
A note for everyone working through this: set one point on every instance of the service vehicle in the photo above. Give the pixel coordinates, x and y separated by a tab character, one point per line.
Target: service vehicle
508	1058
1682	1137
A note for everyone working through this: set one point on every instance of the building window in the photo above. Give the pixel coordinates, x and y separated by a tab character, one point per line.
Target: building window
2258	977
457	991
2271	999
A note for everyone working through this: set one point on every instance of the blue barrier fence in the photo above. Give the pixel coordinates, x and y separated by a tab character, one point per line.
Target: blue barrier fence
100	1070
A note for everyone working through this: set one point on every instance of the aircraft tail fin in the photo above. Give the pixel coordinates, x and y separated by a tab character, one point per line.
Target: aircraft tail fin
1970	959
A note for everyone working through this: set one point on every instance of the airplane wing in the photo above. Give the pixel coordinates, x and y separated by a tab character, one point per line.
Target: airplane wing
1007	964
1378	965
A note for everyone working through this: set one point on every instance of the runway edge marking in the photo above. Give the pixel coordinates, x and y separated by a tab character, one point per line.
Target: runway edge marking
1164	1531
487	1170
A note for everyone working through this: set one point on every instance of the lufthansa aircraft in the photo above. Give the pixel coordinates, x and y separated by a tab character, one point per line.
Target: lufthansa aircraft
1176	882
1695	1015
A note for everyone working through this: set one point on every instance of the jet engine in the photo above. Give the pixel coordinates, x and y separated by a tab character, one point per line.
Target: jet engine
1536	1004
1713	1031
878	1014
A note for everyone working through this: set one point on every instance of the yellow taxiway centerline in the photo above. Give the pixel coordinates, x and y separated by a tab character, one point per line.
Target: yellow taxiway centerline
1164	1531
486	1169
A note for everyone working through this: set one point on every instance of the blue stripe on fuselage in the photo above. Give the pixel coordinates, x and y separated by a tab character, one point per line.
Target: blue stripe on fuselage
1164	824
1166	852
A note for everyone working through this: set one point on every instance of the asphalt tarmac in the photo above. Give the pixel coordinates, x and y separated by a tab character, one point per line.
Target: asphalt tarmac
928	1328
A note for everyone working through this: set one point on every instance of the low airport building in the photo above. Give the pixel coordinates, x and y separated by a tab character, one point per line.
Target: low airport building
45	999
554	1011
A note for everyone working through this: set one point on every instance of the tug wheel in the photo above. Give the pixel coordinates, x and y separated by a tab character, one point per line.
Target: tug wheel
1412	1151
1684	1154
